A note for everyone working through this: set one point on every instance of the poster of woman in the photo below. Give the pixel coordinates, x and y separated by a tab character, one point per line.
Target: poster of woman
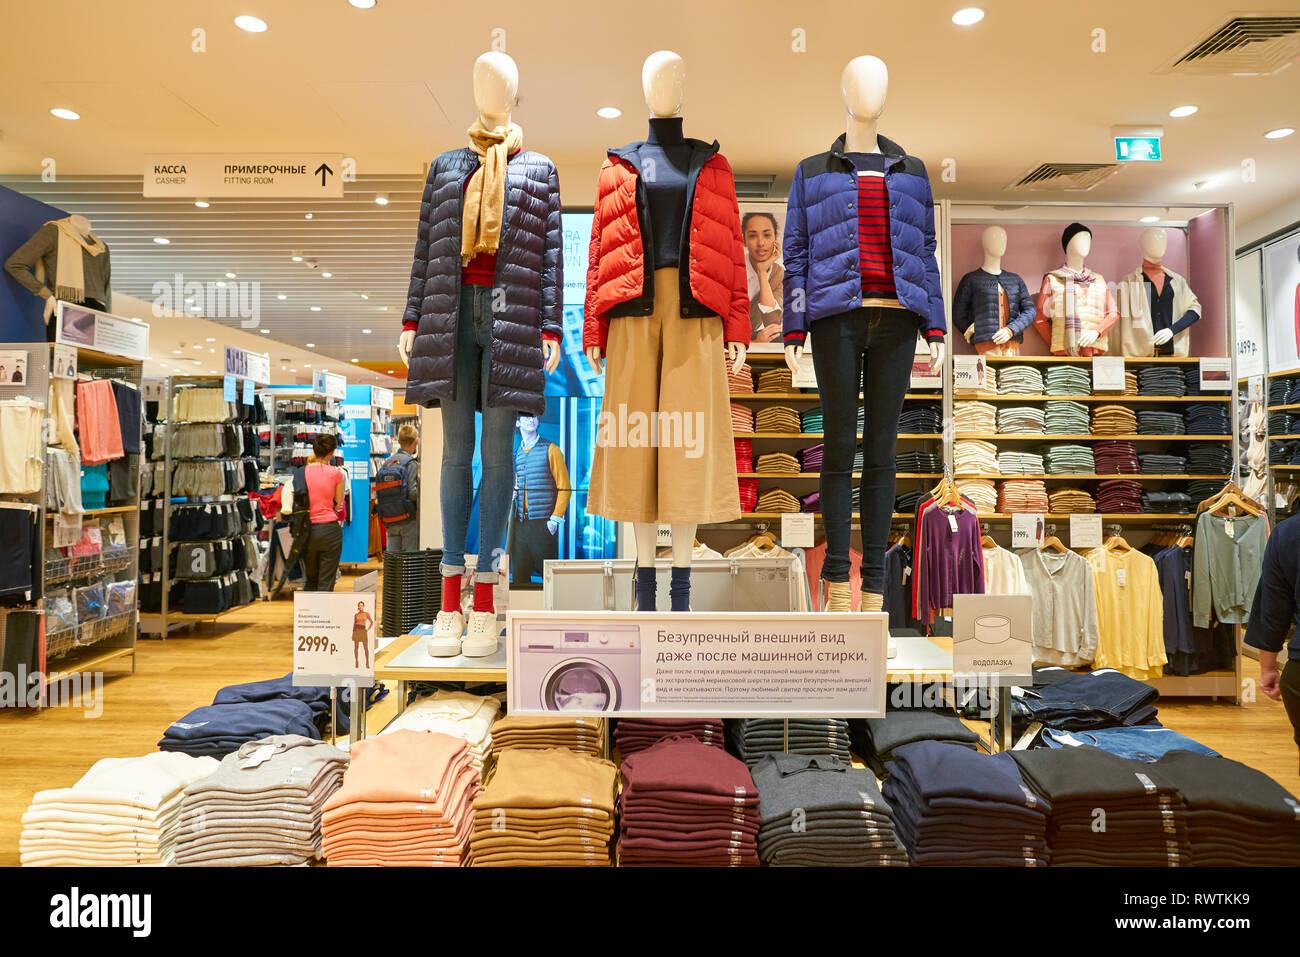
761	225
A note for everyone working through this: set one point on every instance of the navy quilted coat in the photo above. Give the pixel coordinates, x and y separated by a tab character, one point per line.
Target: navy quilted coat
529	277
822	274
976	302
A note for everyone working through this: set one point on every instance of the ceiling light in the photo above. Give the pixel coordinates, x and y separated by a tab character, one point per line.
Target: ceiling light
381	199
200	348
311	345
308	216
63	114
250	23
609	112
221	282
1278	133
362	4
354	360
281	297
230	275
162	240
365	332
212	372
295	257
1149	219
390	372
315	308
266	332
968	16
136	319
176	352
364	296
383	308
210	339
327	275
293	370
212	351
307	364
1180	111
202	203
1202	184
189	299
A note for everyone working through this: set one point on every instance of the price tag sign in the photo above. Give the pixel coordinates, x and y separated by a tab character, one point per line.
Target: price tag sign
1027	530
65	362
664	536
969	373
248	392
334	639
797	529
1085	531
228	389
1107	374
1216	375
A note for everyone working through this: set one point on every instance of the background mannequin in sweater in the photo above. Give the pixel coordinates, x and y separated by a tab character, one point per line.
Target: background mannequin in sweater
1075	252
67	247
1155	242
665	161
1157	307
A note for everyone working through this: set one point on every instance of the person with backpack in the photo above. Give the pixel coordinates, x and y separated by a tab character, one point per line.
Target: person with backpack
397	493
542	492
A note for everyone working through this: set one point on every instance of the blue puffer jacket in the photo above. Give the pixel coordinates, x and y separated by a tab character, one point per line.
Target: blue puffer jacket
530	266
822	273
976	302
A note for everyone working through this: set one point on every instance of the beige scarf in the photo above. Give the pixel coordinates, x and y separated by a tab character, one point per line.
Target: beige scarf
70	283
485	196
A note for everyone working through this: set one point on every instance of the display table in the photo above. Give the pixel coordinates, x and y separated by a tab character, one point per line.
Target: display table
920	660
404	659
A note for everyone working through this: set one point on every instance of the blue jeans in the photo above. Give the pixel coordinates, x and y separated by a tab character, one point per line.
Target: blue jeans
472	362
404	536
1142	744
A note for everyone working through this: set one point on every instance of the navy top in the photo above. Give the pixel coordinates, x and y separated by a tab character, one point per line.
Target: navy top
665	168
1277	597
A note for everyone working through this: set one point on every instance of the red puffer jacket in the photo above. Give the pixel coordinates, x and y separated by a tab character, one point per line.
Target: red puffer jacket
616	259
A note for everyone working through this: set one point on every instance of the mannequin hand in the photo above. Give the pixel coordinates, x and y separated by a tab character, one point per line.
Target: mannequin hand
1087	338
551	351
1162	336
736	351
970	331
404	343
1003	335
792	356
936	356
50	304
596	358
552	526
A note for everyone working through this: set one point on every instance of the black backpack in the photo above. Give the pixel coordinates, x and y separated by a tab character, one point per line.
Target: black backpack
392	496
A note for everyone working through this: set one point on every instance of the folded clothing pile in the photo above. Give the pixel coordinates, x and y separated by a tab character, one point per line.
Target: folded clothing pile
686	803
1148	742
777	418
1067	499
916	460
546	808
529	731
1067	380
1069	460
1281	453
1115	458
740	381
1161	381
907	502
1020	463
976	418
1159	422
216	730
974	456
1065	417
1019	380
1131	384
750	739
955	806
1018	419
1119	496
315	697
1236	816
1166	502
123	811
1279	390
1203	489
982	493
820	811
925	418
1206	418
460	714
748	494
1114	420
810	459
875	739
407	800
636	734
777	500
1101	699
262	805
1146	823
1209	458
810	420
779	379
776	463
1022	495
742	418
1157	463
744	455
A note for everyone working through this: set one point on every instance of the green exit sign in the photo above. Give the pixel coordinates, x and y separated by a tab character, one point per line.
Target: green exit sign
1137	149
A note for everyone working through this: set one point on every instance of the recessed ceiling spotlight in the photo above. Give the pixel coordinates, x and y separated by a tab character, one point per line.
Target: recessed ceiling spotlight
365	332
282	297
307	216
295	257
1149	219
221	282
176	352
311	345
200	348
609	112
307	364
1279	133
202	203
1178	112
266	332
230	275
210	339
968	16
162	240
294	369
390	372
250	23
362	4
381	199
354	360
136	319
364	296
63	114
327	275
315	308
383	308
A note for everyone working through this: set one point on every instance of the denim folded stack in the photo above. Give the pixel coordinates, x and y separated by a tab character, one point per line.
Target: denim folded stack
1164	381
1146	823
1019	380
1067	380
857	460
823	812
1192	378
1103	699
1209	458
1145	743
925	418
1279	390
1069	460
1167	502
1293	394
875	739
1011	462
1066	417
1155	463
1207	418
1279	423
1019	419
1281	453
1115	458
636	734
957	807
907	502
1159	422
216	730
1119	496
1204	489
918	461
750	739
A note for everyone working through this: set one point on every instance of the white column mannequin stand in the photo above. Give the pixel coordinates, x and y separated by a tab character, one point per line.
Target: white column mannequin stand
1075	252
663	83
864	85
1155	242
496	88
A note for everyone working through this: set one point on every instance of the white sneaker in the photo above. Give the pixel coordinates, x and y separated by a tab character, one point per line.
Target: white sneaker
447	632
481	638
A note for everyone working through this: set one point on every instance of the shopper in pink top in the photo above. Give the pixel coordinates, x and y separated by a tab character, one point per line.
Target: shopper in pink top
320	556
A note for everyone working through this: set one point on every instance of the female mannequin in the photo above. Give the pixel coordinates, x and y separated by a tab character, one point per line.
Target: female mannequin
991	307
65	261
864	333
661	295
1156	305
1075	308
481	330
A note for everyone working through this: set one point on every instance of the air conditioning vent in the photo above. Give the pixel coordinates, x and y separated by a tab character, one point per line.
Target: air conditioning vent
750	186
1069	177
1242	46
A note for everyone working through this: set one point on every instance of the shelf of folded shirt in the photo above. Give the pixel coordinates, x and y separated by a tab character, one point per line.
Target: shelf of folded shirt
93	512
105	562
815	396
1115	398
817	475
776	516
1093	476
1281	437
86	633
1286	467
1283	408
1087	360
1095	437
1106	516
822	435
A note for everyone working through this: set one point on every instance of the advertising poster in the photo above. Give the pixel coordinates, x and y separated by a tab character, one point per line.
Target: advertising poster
13	367
762	229
79	326
334	638
1282	298
993	640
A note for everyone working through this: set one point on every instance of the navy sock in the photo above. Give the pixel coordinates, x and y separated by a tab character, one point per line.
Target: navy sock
645	588
680	590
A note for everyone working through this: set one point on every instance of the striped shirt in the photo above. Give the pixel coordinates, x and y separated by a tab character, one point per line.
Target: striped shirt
875	255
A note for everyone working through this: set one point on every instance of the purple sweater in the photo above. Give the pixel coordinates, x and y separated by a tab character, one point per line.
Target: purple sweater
951	563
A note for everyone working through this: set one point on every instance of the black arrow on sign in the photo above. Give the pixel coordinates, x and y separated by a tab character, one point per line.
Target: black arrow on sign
324	171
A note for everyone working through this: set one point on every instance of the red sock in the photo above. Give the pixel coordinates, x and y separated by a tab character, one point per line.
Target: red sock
451	593
483	597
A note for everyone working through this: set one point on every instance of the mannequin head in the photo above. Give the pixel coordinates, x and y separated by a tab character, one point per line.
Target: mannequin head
80	223
994	241
496	87
1154	243
1076	240
864	84
663	81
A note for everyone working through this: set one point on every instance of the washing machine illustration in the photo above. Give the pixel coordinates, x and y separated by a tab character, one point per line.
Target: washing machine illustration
566	669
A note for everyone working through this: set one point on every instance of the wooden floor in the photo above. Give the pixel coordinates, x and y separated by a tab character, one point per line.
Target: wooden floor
54	748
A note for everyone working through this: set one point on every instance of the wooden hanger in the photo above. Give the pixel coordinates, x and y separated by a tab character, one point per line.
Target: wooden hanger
986	540
1231	496
1052	542
1116	542
946	493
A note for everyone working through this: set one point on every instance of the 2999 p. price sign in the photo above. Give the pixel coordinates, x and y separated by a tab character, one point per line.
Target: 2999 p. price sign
334	638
